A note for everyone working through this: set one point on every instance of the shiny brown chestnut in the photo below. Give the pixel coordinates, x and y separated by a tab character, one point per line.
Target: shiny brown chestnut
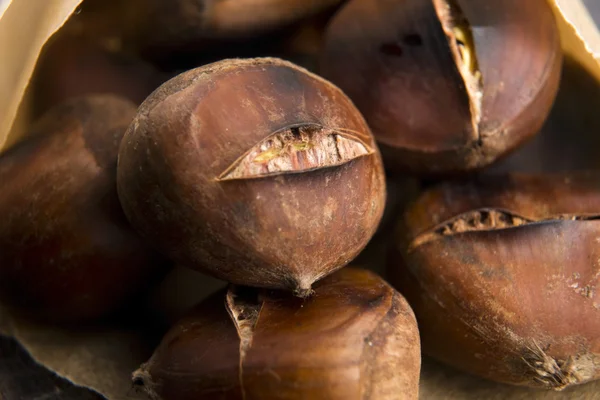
255	171
355	338
446	85
72	66
503	274
67	252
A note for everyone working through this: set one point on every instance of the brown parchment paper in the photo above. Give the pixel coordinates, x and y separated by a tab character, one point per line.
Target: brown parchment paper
102	358
25	25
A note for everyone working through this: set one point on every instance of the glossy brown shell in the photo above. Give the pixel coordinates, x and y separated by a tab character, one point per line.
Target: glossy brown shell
503	274
395	61
72	66
186	181
355	338
67	251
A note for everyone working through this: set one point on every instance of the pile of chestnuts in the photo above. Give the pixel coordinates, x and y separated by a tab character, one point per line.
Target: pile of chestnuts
186	133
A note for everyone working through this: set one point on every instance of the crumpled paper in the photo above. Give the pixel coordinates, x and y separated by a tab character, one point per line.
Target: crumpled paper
102	358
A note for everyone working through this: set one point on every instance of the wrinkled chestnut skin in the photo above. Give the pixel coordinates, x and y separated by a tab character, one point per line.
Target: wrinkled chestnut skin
283	230
393	58
73	66
515	301
354	338
67	252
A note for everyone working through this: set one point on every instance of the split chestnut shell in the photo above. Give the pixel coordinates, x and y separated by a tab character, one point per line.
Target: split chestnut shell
446	85
255	171
355	338
503	274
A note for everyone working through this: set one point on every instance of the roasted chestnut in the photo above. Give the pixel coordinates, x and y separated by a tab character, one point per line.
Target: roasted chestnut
72	66
355	338
67	252
446	85
503	274
255	171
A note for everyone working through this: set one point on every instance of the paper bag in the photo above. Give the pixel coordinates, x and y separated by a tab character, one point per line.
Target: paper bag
103	358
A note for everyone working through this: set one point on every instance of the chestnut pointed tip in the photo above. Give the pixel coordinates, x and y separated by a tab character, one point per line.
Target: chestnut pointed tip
139	377
303	292
556	374
303	288
141	381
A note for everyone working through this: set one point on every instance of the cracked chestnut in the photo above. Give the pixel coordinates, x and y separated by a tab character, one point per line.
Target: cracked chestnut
503	275
446	86
355	338
67	252
255	171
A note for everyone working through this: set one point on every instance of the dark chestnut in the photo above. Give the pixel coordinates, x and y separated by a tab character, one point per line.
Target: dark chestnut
72	66
67	252
503	275
255	171
446	85
355	338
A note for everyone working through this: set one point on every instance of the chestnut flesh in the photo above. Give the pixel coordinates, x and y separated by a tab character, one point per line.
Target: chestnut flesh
502	273
255	171
67	252
446	85
355	338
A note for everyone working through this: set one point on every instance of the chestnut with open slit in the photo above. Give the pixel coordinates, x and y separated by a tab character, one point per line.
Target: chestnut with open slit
503	275
255	171
297	149
447	86
355	338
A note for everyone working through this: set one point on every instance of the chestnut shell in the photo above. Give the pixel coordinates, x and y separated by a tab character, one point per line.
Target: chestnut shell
400	62
67	252
71	66
355	338
502	273
192	180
